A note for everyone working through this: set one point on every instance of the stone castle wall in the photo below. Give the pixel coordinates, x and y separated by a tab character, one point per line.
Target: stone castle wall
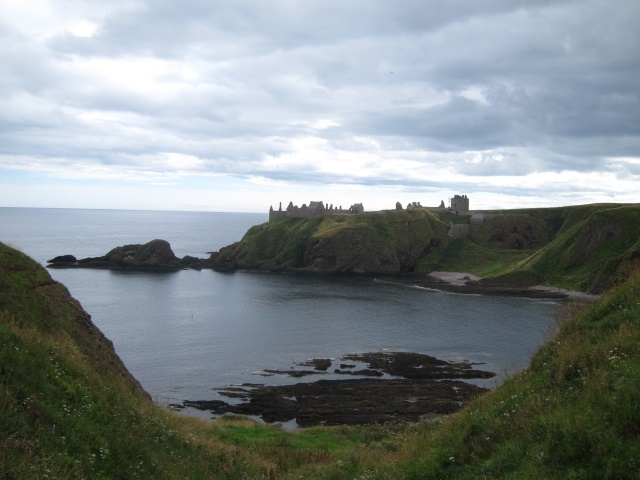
314	209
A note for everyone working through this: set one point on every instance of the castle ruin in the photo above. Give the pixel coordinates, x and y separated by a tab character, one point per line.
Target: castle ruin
459	204
313	210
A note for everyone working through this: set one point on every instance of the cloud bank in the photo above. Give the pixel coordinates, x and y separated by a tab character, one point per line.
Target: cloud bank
511	102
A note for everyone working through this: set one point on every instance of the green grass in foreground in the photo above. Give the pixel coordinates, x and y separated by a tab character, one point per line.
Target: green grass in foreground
67	410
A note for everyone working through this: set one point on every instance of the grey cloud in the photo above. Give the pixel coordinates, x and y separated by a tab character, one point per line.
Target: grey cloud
166	27
557	82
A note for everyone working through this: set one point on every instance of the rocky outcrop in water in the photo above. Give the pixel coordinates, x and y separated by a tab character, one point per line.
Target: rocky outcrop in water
416	386
154	255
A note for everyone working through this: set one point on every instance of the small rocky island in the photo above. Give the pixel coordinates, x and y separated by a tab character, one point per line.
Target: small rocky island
407	387
154	255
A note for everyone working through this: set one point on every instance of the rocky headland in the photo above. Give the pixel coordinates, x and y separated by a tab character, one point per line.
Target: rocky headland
531	252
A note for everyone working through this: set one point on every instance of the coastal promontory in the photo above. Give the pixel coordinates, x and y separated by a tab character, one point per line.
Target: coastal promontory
587	248
386	242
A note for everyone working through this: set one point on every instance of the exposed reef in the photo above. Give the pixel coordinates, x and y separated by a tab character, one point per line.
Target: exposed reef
154	255
415	386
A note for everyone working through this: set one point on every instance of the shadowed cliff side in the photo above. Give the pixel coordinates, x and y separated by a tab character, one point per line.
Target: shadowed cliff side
38	303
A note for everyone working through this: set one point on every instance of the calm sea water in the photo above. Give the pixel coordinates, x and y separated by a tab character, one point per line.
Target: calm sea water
184	334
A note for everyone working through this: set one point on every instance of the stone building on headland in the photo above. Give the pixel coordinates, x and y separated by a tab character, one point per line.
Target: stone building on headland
459	204
313	210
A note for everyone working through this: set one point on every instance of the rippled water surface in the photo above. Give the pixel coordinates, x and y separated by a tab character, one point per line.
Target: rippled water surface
184	334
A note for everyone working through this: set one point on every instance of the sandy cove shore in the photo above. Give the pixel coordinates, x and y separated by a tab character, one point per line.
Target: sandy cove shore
460	279
455	278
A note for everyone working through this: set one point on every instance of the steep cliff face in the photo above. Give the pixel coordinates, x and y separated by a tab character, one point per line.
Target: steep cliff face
66	398
389	242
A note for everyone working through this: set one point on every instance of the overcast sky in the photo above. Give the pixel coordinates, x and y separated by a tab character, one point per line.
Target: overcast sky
236	105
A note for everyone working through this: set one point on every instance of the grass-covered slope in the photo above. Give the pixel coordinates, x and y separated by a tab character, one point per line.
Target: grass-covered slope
589	254
68	406
573	414
386	242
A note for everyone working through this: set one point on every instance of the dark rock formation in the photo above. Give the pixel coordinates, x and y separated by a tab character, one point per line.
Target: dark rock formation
321	364
350	402
417	366
427	387
155	255
63	259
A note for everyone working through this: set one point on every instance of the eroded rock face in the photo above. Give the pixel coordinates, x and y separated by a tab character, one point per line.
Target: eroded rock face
514	232
154	255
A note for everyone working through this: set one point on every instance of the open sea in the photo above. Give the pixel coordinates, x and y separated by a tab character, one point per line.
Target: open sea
185	334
